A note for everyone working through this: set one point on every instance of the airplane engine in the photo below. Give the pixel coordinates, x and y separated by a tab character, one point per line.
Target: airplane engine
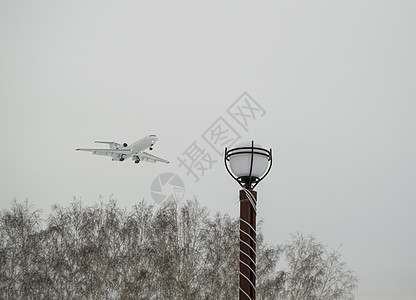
117	156
125	145
114	145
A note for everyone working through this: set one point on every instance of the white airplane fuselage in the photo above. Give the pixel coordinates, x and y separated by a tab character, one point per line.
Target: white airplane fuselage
137	147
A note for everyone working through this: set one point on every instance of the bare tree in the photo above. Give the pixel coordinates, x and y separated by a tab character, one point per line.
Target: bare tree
219	278
270	281
315	273
173	252
136	273
20	252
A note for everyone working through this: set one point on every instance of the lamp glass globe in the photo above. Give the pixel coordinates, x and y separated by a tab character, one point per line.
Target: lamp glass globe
240	162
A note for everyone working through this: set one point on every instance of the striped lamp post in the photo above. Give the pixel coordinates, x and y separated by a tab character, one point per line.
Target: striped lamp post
248	164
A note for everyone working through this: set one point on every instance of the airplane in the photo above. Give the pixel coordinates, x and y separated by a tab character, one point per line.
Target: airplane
120	152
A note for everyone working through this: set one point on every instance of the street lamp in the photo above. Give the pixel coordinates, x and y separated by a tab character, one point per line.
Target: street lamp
248	164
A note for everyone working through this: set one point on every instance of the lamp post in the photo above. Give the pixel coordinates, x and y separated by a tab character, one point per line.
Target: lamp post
248	164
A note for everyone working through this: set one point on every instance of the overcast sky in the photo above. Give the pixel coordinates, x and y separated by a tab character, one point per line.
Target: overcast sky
333	84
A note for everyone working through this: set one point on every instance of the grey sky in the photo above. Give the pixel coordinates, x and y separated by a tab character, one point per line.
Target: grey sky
336	79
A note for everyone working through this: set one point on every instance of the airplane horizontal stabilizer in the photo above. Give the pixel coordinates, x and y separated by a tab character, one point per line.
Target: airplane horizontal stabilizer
106	150
103	142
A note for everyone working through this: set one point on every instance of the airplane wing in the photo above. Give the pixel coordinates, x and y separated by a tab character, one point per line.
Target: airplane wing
108	152
151	158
